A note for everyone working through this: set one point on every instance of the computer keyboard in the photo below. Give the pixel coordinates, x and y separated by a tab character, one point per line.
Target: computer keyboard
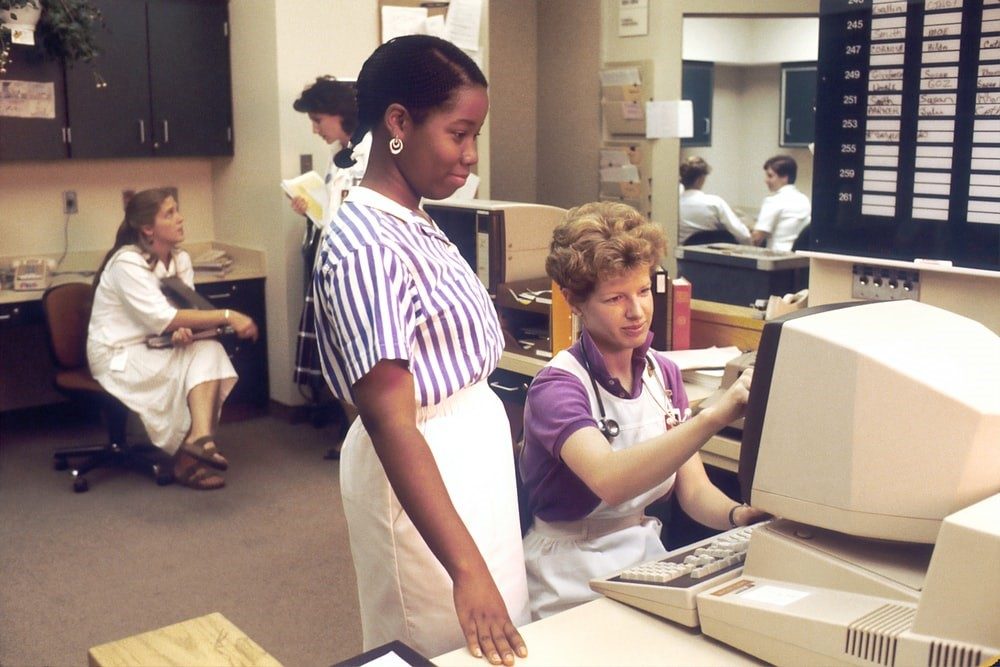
669	586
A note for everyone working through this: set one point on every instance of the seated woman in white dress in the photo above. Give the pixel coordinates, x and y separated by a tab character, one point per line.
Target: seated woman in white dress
177	392
606	431
700	211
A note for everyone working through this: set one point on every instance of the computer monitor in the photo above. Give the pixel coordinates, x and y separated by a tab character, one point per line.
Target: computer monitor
872	434
502	241
873	419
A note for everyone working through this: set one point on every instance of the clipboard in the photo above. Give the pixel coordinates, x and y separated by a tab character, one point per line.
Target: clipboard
184	297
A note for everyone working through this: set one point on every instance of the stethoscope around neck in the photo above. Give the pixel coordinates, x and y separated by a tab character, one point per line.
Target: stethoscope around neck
609	427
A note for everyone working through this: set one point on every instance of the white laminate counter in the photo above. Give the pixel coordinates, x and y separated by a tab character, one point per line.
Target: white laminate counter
80	267
604	632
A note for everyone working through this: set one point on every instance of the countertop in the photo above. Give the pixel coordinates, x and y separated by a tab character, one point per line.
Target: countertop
80	267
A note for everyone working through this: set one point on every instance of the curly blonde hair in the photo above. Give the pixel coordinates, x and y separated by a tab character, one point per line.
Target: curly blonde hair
598	241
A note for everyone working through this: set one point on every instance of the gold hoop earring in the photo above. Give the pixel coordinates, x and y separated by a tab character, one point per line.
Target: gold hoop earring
395	146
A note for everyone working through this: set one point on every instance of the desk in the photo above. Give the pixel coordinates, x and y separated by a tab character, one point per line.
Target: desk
739	274
206	640
25	363
605	632
723	324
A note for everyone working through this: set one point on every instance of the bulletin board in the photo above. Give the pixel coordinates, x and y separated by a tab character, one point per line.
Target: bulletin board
439	8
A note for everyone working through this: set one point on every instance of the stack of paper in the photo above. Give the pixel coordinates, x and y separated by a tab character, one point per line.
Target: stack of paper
213	260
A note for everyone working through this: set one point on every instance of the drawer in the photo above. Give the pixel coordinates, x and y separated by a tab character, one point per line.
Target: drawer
17	314
511	387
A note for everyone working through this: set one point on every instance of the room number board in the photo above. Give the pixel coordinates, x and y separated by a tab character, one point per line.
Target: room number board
907	155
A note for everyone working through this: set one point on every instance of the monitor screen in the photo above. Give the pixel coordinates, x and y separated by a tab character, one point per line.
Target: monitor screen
875	419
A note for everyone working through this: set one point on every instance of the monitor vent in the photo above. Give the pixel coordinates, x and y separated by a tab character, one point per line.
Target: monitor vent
873	636
943	654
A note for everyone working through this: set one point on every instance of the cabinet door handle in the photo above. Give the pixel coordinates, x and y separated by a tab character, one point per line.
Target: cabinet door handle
166	132
788	126
708	126
219	295
497	385
142	131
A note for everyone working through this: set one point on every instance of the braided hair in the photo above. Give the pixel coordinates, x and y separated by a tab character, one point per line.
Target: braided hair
419	72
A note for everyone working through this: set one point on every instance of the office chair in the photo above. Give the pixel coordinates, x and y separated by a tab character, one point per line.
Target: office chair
802	240
710	236
67	316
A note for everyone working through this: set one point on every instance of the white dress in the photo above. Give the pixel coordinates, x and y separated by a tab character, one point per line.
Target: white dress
562	557
153	383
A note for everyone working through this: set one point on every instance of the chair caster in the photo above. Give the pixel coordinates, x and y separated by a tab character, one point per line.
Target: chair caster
80	485
59	464
163	477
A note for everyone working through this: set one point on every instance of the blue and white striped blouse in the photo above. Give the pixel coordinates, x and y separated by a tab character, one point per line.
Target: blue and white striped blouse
388	284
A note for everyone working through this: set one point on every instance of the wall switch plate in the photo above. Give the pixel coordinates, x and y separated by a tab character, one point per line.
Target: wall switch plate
70	203
305	163
880	283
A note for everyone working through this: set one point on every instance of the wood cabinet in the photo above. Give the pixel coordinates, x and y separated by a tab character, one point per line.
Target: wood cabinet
168	89
168	93
35	86
697	85
798	104
249	358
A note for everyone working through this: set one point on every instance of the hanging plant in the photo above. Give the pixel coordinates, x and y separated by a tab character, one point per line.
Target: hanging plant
66	31
11	13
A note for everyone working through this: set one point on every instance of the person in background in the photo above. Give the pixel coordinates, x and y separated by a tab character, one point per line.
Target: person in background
786	211
700	211
177	392
408	334
606	421
333	112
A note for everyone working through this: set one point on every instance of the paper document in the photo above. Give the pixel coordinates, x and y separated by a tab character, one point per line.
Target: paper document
309	186
709	357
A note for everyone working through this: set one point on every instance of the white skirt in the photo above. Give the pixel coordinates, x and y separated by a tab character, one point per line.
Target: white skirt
155	383
405	593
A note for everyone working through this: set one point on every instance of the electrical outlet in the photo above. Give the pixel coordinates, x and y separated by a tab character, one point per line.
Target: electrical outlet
70	204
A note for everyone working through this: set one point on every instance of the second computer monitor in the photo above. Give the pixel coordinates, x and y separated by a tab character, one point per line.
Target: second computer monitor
873	419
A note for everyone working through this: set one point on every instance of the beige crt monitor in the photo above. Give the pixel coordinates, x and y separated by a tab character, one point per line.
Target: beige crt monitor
873	432
502	241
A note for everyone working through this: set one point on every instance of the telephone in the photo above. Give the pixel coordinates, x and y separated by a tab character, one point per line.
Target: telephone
32	273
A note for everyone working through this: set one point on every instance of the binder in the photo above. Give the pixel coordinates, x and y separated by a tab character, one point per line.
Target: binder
661	310
681	314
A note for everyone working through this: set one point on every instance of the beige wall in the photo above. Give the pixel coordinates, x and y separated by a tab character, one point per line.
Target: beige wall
513	100
745	132
31	217
275	54
569	93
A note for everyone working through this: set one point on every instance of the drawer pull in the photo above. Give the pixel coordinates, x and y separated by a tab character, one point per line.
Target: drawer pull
497	385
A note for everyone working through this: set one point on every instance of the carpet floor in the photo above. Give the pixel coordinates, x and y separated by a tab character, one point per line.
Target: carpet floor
269	551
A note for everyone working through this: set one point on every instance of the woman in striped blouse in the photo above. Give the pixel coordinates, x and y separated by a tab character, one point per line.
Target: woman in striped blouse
408	334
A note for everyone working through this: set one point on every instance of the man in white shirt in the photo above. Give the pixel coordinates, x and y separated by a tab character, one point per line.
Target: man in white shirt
785	212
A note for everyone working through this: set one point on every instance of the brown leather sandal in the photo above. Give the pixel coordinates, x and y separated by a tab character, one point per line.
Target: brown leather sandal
204	450
199	477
